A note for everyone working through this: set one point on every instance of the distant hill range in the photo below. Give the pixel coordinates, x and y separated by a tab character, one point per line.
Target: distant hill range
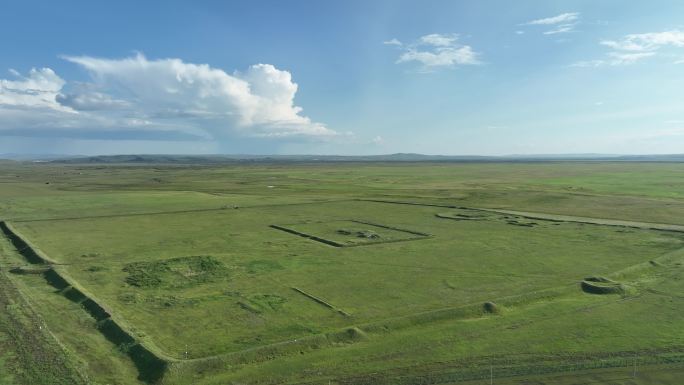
400	157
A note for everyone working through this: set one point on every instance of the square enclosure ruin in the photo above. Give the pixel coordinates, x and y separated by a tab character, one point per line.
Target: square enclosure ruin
349	233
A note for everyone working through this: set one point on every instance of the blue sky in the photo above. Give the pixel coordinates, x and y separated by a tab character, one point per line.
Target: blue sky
345	77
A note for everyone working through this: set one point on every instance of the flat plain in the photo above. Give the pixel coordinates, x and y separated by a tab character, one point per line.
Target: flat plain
343	273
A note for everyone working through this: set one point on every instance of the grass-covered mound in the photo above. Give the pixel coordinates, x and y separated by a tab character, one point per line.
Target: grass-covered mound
490	308
175	272
602	285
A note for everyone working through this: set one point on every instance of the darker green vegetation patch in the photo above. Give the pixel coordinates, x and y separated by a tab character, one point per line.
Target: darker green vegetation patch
348	335
175	273
95	269
473	215
464	215
516	221
270	301
30	269
258	303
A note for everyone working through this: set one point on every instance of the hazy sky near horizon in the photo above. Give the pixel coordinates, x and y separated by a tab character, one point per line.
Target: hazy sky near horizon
343	77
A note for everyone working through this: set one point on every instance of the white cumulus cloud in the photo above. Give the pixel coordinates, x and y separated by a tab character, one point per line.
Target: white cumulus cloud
563	23
635	47
619	58
647	41
162	94
259	101
90	101
439	40
438	51
561	28
562	18
392	42
445	57
39	89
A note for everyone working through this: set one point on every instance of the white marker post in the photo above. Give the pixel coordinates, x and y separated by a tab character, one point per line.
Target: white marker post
636	356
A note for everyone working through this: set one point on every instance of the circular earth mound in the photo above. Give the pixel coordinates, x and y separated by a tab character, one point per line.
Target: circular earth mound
490	307
601	285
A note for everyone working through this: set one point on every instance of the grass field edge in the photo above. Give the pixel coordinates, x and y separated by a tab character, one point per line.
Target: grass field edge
150	360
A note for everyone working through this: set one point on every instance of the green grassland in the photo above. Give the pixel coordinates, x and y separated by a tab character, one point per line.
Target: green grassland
29	351
463	262
245	274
